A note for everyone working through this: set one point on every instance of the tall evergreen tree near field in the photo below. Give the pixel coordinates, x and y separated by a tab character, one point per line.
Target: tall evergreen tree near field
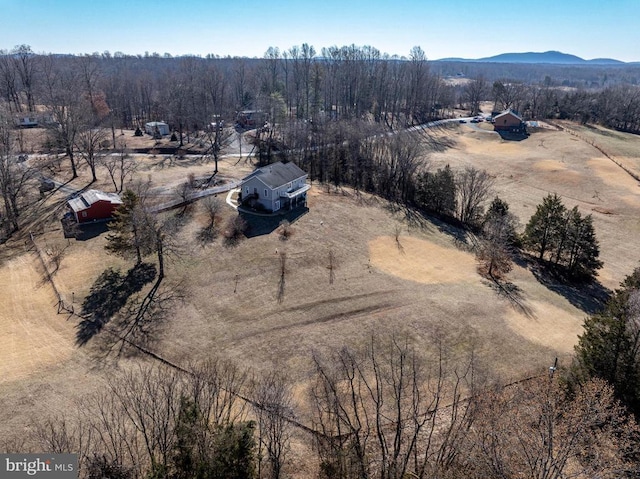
234	456
609	348
564	238
498	237
542	232
582	250
129	232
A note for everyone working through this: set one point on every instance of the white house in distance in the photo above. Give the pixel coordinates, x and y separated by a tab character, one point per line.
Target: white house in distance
275	187
156	127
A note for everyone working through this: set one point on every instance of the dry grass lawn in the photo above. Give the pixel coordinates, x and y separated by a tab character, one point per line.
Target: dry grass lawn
32	340
557	162
422	261
237	306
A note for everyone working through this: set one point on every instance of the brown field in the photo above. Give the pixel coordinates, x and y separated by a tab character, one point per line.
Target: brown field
426	279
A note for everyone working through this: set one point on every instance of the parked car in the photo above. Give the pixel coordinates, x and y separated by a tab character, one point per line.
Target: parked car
463	121
46	185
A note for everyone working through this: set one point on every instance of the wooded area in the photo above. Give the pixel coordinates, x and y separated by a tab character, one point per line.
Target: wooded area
335	83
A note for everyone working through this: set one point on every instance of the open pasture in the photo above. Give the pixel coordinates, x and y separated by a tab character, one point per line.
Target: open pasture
345	277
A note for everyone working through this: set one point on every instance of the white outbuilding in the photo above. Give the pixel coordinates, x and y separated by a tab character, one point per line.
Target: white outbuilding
156	128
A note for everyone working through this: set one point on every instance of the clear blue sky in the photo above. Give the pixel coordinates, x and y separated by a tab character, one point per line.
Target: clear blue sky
443	28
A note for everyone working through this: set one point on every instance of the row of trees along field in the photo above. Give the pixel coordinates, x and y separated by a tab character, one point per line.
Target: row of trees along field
336	82
384	410
188	92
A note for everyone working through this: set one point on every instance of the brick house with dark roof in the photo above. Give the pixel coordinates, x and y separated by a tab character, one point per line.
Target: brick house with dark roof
509	121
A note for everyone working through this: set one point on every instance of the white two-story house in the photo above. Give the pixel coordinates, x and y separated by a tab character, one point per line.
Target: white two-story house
275	187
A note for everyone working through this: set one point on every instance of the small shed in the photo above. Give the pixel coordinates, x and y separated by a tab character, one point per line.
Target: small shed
94	205
155	128
508	120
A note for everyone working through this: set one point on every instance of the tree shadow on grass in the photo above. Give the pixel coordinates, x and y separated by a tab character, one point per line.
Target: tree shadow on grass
417	218
89	231
108	295
589	297
513	294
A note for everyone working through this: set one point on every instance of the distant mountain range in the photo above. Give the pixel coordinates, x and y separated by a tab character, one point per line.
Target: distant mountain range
553	57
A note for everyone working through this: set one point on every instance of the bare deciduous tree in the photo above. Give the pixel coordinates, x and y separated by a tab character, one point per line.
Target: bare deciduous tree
10	82
235	229
285	231
474	92
533	430
14	176
474	188
217	137
379	410
212	207
68	108
89	143
185	194
61	435
25	63
217	386
149	399
136	426
120	166
273	407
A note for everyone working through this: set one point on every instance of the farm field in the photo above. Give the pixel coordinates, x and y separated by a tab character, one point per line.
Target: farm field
426	280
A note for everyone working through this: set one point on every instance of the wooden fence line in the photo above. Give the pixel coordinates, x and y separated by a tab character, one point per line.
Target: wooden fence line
597	147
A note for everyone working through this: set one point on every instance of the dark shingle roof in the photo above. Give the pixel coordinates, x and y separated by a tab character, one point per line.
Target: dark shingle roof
277	174
508	112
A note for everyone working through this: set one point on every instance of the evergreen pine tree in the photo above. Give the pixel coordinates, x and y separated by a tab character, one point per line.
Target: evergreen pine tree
565	238
609	348
129	234
542	233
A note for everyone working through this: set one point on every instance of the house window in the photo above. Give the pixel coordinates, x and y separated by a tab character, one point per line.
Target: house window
277	206
84	214
266	193
246	190
289	186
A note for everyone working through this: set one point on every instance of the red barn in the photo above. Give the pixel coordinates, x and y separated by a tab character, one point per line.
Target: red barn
94	205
